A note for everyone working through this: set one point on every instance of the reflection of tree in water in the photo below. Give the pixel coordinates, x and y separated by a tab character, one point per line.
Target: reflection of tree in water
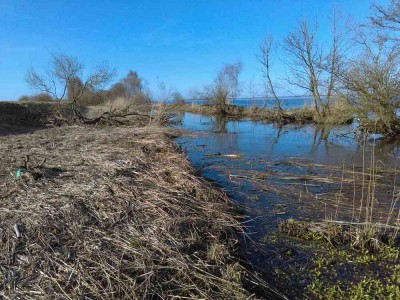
219	124
320	135
226	140
279	128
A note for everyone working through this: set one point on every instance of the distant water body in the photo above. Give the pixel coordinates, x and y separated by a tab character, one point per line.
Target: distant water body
286	102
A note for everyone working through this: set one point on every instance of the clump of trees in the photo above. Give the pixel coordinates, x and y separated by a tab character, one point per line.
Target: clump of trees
367	77
177	98
226	85
66	80
311	68
372	79
132	88
372	84
63	79
38	98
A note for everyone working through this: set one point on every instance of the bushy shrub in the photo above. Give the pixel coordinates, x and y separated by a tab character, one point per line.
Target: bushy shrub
36	98
177	99
24	98
42	98
92	99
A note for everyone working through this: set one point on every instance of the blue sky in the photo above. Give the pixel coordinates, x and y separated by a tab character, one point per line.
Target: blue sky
182	43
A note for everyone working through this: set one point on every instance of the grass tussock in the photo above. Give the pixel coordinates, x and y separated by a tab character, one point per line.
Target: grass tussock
373	240
112	213
367	261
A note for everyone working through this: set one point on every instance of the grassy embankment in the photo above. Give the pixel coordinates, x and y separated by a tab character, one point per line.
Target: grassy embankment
339	114
111	213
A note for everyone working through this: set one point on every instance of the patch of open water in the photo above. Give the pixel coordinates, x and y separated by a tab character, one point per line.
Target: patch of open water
292	171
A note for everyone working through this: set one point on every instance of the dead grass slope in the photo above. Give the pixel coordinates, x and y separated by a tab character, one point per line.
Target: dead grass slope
112	213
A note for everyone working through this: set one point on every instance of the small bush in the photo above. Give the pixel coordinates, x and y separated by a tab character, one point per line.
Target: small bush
24	98
141	99
41	98
177	99
92	99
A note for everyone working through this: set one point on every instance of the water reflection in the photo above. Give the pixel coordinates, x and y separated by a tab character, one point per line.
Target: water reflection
288	158
291	171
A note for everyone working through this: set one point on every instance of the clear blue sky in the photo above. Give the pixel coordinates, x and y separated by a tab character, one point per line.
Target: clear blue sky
183	43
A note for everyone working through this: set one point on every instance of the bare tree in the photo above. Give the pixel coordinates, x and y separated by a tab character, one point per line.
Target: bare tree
373	85
165	92
64	72
304	60
225	85
387	18
264	57
251	88
312	67
132	84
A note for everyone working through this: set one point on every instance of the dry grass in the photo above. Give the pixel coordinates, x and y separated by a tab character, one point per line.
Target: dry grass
112	213
22	117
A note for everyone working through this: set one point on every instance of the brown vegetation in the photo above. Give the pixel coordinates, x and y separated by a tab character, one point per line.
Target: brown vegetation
19	117
340	113
112	213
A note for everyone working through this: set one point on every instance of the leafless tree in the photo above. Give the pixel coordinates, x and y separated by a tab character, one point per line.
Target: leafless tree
313	68
132	84
251	88
64	72
225	85
165	92
177	98
387	18
264	57
373	84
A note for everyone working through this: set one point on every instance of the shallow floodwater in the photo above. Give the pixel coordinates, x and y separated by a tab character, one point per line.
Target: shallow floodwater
292	171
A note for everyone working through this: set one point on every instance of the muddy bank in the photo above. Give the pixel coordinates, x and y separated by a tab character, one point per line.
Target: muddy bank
113	213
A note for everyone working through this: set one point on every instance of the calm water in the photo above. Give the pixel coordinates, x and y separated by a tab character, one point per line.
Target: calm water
294	171
287	102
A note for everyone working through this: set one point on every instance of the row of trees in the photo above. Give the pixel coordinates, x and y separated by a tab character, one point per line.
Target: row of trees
65	79
360	66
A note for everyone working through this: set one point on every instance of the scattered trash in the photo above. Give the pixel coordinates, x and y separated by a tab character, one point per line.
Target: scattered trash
19	172
17	230
119	162
233	155
280	213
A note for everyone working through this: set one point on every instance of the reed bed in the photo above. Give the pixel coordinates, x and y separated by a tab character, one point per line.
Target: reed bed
114	213
363	194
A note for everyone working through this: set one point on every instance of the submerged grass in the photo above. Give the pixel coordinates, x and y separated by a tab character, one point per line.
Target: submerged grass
358	258
113	213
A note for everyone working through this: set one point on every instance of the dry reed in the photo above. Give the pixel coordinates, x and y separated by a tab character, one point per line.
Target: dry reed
113	213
